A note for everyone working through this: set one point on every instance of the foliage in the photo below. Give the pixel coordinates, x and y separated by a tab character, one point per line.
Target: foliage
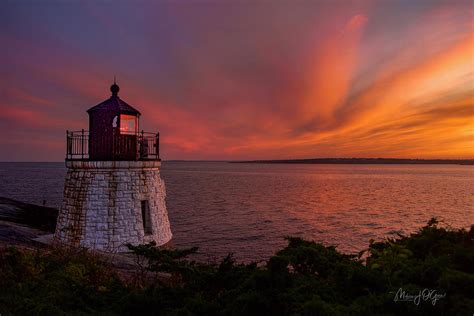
304	278
57	281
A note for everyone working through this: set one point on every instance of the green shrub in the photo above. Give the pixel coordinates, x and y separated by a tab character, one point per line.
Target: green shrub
304	278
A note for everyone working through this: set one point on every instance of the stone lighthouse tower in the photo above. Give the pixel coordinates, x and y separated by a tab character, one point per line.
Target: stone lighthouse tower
113	193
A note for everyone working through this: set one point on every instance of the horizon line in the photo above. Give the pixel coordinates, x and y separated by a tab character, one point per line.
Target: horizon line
269	160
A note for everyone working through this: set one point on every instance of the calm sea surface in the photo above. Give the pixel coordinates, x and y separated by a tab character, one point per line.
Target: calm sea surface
246	209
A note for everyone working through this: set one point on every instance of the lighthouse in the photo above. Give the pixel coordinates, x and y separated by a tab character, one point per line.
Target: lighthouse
113	192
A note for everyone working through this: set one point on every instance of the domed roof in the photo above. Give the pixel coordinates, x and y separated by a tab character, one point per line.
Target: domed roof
114	89
115	104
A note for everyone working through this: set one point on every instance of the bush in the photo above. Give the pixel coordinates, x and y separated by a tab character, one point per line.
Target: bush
304	278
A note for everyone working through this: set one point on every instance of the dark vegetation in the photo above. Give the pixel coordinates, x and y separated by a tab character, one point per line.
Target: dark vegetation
365	161
305	278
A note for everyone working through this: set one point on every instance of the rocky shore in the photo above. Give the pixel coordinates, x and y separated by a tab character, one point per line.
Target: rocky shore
24	224
29	226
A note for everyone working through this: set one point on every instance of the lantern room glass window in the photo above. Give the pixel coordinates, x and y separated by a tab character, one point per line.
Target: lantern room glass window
128	124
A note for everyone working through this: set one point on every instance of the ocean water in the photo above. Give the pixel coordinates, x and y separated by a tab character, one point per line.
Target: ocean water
247	209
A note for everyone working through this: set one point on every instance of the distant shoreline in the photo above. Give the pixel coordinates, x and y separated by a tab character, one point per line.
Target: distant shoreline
364	161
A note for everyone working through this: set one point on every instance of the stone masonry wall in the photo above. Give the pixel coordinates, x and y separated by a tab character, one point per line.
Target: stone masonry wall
102	205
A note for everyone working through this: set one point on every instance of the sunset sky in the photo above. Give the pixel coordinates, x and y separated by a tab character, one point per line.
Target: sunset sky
244	79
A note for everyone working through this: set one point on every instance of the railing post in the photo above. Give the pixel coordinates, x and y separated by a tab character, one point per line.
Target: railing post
141	147
82	145
67	145
157	145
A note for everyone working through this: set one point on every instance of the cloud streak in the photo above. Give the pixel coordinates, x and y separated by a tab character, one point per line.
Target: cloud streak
245	80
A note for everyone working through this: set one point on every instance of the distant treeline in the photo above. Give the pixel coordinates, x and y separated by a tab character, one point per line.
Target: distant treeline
365	161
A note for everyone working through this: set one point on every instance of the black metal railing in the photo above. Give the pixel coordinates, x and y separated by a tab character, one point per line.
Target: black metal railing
77	145
148	145
139	146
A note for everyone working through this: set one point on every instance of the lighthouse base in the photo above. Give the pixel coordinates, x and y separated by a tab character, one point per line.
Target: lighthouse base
108	204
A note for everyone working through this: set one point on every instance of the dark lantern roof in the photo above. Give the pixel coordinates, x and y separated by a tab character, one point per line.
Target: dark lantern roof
114	103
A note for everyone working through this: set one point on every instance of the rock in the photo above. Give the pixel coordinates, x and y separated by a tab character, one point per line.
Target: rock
39	217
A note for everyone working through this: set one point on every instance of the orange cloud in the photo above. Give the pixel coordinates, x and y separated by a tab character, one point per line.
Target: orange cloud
325	80
398	93
333	70
426	110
